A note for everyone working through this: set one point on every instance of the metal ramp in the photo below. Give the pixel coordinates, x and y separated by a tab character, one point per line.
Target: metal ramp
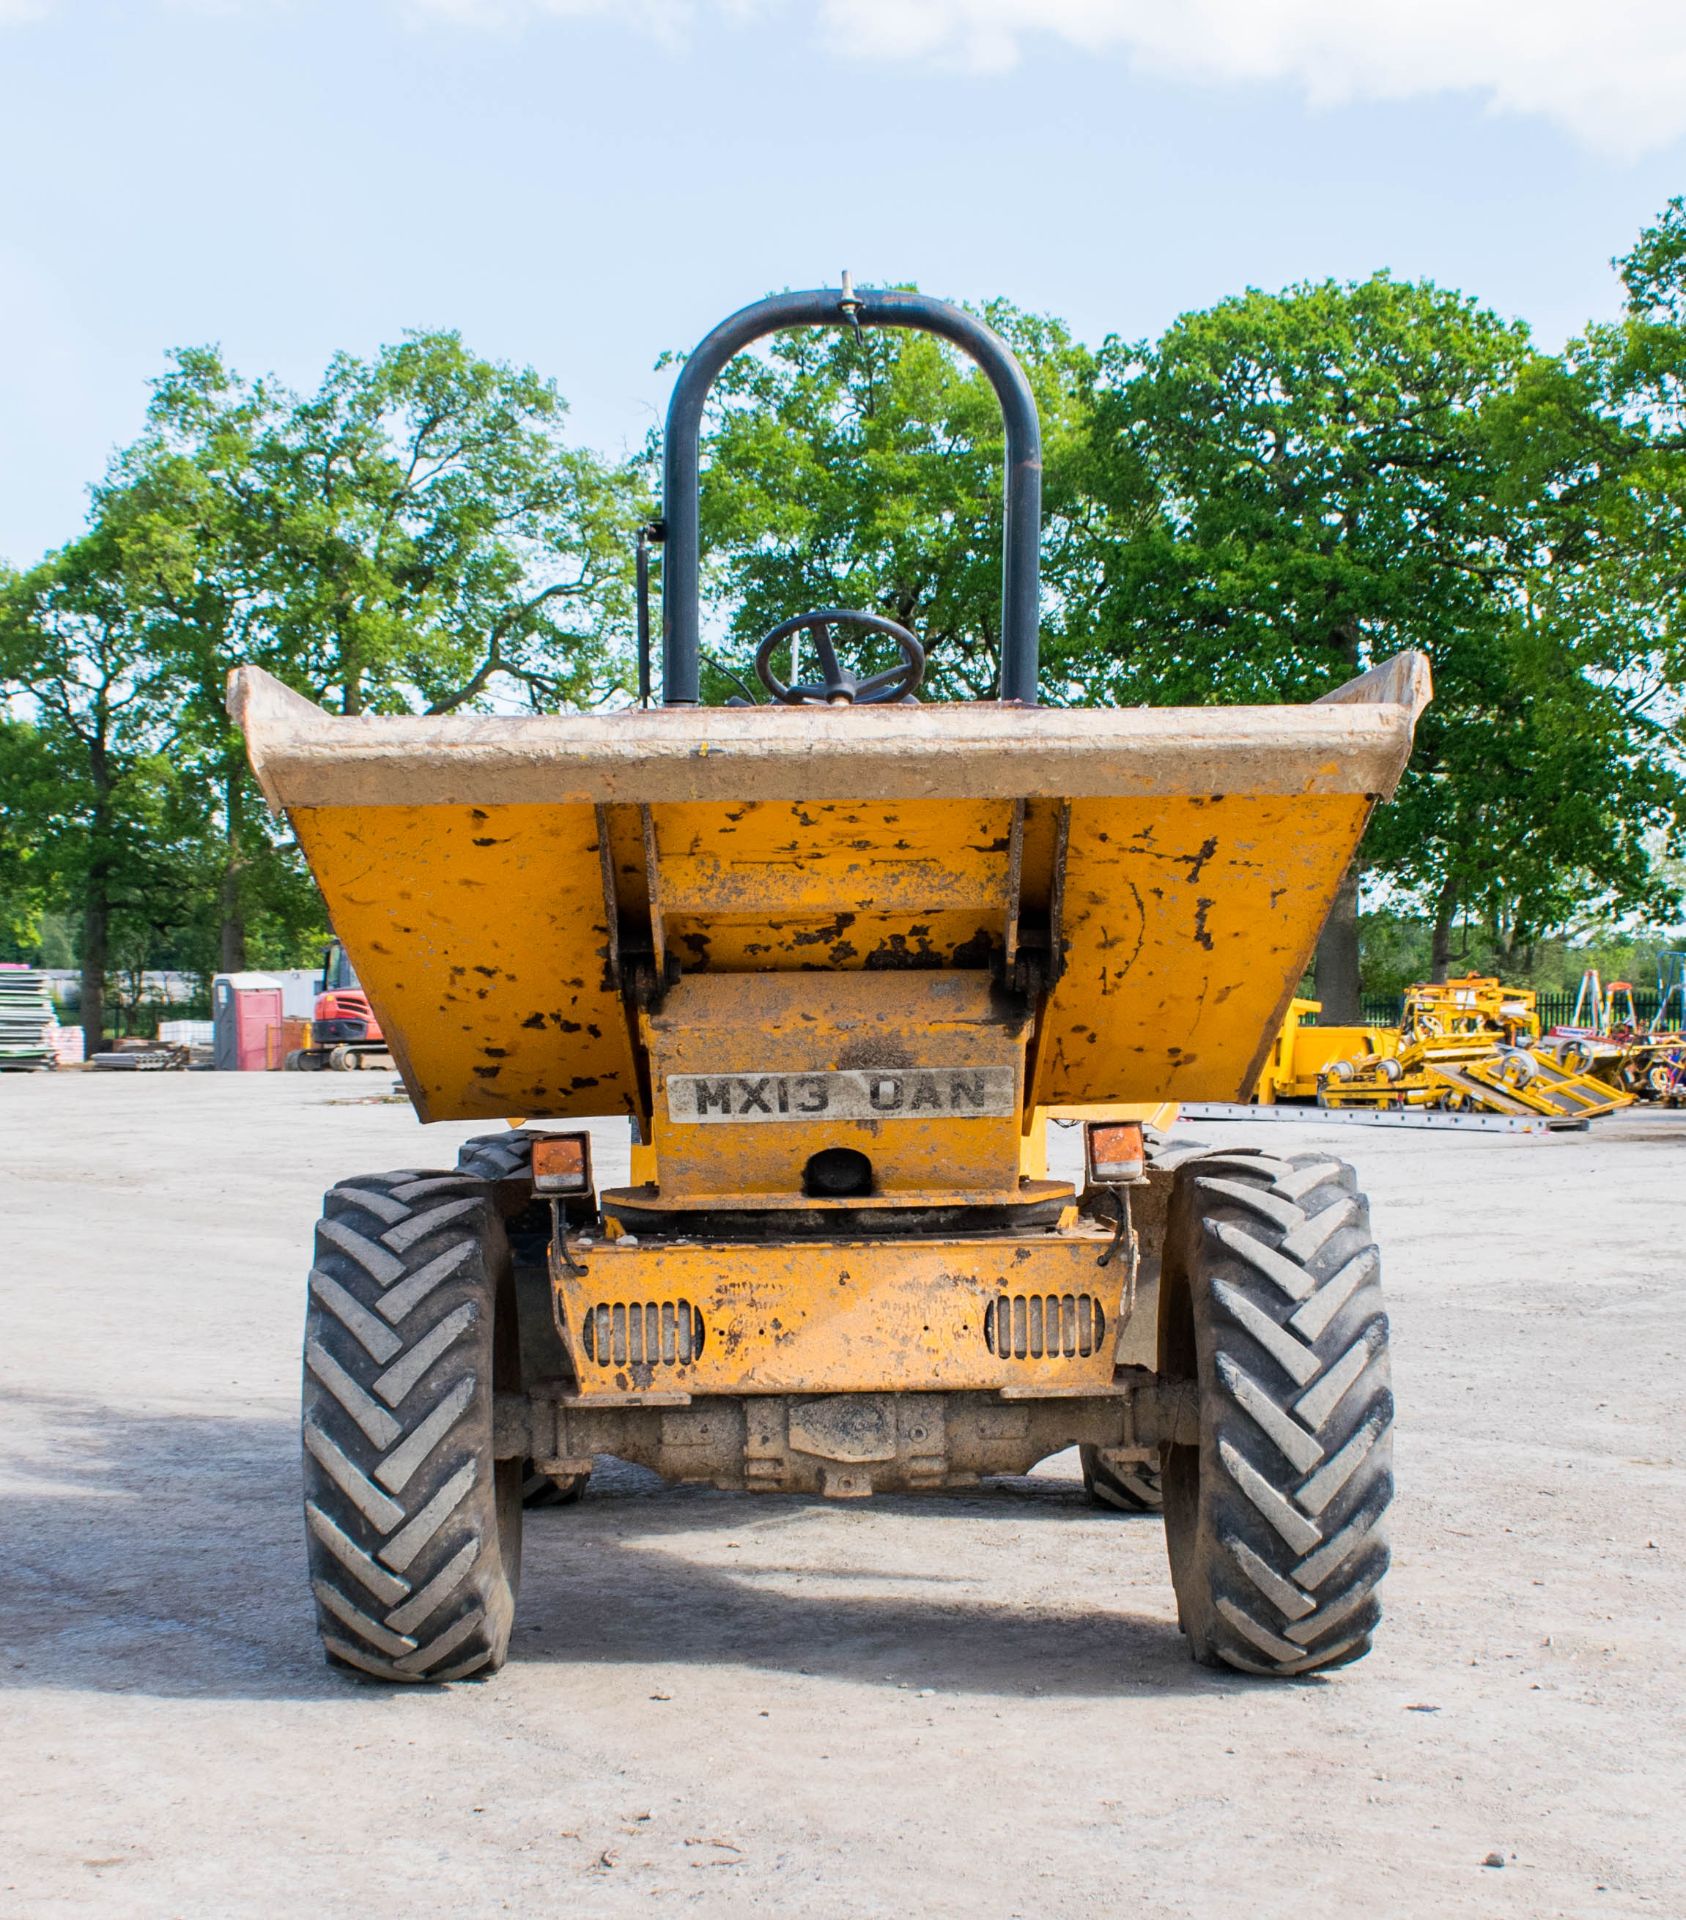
1536	1083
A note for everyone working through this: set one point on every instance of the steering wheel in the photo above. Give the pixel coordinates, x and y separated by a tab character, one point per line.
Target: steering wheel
841	688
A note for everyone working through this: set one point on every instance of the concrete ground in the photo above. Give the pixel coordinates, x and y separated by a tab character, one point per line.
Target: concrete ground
970	1705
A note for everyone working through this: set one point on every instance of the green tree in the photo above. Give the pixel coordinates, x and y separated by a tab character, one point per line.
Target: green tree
1313	480
25	884
192	502
415	534
1592	464
87	788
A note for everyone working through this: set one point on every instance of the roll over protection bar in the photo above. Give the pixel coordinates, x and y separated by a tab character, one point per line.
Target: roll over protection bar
833	307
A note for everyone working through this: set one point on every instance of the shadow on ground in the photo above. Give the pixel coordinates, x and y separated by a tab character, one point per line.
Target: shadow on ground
163	1555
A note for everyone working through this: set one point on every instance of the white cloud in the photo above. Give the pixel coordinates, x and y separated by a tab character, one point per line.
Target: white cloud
1612	74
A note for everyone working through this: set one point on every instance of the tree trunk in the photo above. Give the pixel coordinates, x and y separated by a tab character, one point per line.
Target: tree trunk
96	901
96	934
351	679
233	943
1338	984
1445	917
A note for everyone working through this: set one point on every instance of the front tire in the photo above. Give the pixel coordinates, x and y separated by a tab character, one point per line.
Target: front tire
1271	1303
414	1526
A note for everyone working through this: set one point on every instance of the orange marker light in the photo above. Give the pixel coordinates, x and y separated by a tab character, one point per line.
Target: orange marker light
562	1163
1115	1152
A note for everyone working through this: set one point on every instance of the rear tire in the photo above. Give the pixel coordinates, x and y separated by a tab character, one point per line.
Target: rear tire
1271	1302
499	1156
414	1526
1126	1486
550	1489
509	1156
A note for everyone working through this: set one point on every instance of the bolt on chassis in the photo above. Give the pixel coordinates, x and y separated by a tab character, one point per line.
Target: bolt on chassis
837	958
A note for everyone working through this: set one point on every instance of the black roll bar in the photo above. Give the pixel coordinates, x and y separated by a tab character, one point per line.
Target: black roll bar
833	307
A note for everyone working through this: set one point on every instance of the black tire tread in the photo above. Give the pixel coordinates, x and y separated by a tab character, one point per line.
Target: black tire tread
499	1156
1129	1487
1276	1527
413	1547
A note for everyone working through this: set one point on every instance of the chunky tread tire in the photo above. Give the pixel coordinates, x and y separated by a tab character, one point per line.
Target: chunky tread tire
498	1156
1271	1302
414	1529
509	1156
1127	1487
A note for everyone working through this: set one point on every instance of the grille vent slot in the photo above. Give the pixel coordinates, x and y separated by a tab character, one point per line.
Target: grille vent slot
654	1333
1044	1326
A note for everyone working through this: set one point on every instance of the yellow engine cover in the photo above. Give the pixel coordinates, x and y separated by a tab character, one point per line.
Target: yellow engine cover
853	1317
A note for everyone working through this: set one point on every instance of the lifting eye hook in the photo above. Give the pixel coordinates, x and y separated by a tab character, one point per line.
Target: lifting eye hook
850	306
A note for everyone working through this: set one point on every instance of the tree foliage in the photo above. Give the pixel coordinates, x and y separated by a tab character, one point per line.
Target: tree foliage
416	533
91	787
1270	497
1317	486
25	881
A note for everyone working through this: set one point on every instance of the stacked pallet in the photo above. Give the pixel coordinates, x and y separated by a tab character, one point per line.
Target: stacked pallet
27	1020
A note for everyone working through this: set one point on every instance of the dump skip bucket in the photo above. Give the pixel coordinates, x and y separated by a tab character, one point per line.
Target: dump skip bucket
510	890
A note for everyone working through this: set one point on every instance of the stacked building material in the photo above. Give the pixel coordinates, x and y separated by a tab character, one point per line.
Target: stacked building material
198	1036
27	1020
187	1033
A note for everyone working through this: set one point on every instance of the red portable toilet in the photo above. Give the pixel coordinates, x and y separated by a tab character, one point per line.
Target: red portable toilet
244	1006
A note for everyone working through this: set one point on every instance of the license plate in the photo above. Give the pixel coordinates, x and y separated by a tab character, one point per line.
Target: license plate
901	1093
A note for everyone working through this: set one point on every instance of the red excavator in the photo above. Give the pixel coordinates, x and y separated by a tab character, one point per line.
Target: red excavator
344	1033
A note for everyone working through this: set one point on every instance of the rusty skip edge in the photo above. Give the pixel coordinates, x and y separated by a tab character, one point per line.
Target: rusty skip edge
1356	739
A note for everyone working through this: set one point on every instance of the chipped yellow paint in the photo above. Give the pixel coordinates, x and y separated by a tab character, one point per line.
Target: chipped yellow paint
838	886
482	938
1188	924
829	1317
850	934
776	1023
479	935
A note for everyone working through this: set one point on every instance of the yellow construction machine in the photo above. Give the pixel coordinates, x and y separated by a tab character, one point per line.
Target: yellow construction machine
833	959
1305	1053
1469	1045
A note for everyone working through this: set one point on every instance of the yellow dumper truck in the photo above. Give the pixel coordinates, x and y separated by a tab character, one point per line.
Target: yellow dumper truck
834	958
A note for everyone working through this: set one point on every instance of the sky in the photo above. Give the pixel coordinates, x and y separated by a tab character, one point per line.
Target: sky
581	184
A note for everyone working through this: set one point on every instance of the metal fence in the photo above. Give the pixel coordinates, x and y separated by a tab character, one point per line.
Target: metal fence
1554	1009
143	1017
